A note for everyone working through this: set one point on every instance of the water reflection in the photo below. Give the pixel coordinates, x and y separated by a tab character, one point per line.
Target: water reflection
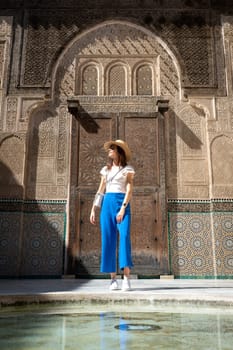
110	330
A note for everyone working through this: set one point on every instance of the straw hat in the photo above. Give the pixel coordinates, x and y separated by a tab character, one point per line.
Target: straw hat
122	144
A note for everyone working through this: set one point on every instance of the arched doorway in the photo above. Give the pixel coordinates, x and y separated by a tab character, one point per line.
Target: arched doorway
113	77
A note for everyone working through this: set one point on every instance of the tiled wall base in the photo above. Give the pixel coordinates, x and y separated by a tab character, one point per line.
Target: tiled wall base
33	233
32	238
201	243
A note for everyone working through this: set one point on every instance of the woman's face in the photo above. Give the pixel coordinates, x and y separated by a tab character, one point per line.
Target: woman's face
112	152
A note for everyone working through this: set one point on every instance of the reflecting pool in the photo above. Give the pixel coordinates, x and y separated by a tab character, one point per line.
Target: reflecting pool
72	327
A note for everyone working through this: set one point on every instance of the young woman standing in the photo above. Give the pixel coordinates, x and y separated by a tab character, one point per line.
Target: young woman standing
116	186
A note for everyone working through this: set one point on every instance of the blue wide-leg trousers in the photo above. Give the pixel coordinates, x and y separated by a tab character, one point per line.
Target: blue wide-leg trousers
109	234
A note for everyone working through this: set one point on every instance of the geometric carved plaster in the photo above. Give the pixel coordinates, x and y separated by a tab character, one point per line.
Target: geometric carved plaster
47	165
130	50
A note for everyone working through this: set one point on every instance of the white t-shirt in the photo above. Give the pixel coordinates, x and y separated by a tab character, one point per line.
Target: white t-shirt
116	178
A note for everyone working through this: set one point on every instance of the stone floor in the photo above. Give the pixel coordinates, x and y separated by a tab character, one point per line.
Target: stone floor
144	291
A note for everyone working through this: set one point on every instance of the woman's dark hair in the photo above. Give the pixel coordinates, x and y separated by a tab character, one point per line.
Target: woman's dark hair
122	158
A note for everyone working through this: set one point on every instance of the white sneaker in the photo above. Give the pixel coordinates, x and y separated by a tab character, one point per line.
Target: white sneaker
113	285
126	284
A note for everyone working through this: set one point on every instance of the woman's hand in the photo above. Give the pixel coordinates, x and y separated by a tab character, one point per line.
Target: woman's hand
120	215
92	216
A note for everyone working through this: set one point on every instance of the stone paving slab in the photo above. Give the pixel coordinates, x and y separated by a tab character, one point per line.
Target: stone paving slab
144	292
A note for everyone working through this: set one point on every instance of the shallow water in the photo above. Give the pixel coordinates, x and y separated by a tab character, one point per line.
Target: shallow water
73	327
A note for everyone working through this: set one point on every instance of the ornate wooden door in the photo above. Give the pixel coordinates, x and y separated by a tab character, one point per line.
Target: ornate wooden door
144	134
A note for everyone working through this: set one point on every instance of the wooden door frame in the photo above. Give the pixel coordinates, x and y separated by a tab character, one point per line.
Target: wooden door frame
78	110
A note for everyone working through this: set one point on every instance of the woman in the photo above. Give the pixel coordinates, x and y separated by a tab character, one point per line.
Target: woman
117	184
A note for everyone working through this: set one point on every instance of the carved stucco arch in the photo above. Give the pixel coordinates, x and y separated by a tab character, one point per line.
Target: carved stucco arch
4	138
101	34
37	107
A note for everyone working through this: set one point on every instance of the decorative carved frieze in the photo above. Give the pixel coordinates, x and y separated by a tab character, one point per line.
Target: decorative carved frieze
11	114
63	141
94	104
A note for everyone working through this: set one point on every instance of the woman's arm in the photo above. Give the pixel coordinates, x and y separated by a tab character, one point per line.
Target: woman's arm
127	198
101	190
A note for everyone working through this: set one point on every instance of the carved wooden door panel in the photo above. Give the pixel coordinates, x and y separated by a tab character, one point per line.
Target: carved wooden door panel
144	134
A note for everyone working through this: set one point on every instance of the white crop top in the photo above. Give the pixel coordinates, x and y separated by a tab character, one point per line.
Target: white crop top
116	178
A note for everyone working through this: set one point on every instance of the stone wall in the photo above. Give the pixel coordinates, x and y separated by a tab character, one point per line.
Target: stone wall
41	47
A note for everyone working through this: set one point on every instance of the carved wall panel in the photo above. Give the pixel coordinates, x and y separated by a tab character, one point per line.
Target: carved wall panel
220	135
147	171
148	234
48	155
193	161
222	124
11	114
222	166
90	81
117	81
144	81
63	145
12	157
